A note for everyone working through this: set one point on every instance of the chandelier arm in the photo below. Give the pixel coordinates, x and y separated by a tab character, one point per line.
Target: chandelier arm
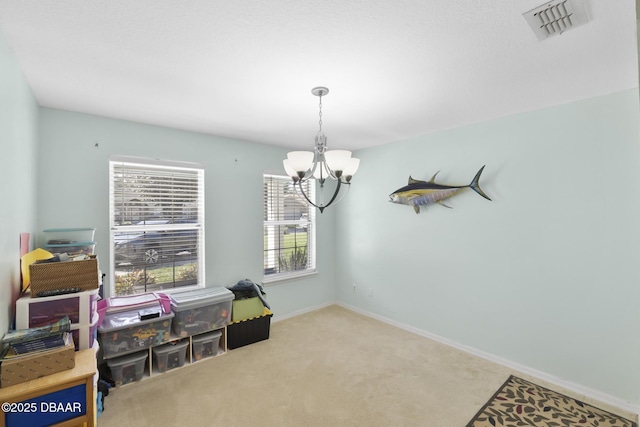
333	198
335	194
307	197
344	193
297	192
311	171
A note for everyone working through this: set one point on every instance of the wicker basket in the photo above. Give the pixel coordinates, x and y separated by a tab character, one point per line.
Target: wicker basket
63	275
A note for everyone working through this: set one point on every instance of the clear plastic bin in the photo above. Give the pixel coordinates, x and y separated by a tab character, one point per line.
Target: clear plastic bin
72	249
127	369
68	235
205	345
124	332
169	356
201	310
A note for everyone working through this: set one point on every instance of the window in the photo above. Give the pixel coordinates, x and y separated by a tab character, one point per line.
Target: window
289	229
156	214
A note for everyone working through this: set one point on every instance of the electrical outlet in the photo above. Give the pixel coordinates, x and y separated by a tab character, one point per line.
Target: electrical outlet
354	288
370	292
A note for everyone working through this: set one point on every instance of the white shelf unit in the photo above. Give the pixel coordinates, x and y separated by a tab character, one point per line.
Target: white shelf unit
150	370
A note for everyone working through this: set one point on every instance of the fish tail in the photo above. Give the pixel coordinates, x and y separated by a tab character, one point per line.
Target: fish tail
475	184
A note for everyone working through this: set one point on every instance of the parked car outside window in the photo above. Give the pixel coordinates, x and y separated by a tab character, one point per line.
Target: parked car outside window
157	245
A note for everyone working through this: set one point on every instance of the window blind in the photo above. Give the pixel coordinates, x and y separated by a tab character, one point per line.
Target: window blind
289	228
157	224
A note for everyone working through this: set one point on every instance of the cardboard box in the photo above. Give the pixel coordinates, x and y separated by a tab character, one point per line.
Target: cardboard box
247	308
29	367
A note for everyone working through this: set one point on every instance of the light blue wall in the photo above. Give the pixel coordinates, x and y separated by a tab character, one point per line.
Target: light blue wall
18	148
545	275
73	191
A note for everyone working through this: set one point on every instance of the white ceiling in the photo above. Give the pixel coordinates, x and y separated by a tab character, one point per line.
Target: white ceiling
395	69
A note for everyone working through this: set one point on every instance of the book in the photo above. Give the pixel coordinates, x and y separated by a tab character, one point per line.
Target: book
23	335
17	350
39	344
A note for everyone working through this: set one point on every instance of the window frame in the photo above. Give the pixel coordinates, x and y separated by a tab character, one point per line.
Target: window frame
310	224
168	225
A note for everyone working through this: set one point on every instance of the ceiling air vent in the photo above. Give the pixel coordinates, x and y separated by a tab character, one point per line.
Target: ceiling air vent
556	17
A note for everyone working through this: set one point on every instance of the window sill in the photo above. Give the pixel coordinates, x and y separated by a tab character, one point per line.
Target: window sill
277	279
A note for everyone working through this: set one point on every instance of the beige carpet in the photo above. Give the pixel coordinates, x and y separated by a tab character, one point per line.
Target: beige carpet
330	367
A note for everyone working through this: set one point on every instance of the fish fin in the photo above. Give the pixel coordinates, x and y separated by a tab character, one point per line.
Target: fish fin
414	181
417	209
475	184
419	181
442	204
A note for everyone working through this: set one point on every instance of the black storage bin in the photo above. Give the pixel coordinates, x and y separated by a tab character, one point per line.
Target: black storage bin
249	331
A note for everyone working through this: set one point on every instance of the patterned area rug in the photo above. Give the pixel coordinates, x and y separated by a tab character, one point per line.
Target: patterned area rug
522	403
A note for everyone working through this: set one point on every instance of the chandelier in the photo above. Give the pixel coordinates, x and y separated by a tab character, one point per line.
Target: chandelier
321	164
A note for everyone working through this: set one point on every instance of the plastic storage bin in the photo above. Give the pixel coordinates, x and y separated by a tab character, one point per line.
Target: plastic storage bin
68	235
84	335
137	301
124	332
72	249
249	331
205	345
201	310
81	307
148	300
170	355
127	369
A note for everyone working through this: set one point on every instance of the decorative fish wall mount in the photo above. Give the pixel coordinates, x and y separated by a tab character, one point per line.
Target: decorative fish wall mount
424	193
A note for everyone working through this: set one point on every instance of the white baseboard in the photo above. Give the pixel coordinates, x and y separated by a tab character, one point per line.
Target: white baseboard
577	388
277	318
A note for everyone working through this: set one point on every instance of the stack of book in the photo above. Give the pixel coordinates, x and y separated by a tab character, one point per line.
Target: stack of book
29	341
28	354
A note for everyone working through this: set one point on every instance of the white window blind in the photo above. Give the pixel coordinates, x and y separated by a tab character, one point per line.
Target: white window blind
289	229
157	224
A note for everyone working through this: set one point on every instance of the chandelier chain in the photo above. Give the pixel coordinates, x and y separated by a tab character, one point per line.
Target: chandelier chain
320	114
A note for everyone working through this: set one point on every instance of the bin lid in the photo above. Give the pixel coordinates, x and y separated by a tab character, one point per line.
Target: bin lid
131	302
127	359
124	319
209	336
68	245
187	300
58	230
170	347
